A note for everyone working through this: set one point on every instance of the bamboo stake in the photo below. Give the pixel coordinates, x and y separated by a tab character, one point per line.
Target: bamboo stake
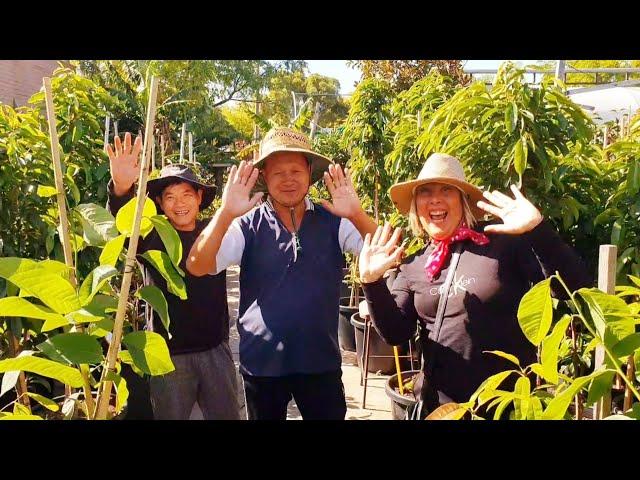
606	283
153	154
162	149
57	169
64	223
115	128
191	148
397	358
114	347
184	132
631	372
107	124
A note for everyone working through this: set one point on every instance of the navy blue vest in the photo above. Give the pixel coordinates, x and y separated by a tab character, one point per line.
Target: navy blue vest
288	316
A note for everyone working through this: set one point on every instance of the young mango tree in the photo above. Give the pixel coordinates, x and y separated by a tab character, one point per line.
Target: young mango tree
620	216
367	139
607	321
69	326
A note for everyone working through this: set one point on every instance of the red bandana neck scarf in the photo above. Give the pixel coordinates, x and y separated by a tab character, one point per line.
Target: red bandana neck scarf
441	253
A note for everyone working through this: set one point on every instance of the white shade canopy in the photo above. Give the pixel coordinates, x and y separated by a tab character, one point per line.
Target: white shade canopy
605	103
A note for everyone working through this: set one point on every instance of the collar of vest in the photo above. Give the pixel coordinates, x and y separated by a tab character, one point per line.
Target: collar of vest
307	203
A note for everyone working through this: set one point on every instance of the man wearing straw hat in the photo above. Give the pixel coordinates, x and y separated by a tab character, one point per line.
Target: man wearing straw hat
199	343
291	253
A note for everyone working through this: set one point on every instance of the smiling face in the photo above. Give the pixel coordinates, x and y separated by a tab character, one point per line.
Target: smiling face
439	208
181	204
287	177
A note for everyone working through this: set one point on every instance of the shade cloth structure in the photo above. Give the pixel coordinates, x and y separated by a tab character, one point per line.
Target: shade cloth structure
607	103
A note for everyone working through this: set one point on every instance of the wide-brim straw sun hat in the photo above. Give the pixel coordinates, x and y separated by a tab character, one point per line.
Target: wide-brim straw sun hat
282	139
439	168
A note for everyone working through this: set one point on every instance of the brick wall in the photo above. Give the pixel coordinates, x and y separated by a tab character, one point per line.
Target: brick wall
19	79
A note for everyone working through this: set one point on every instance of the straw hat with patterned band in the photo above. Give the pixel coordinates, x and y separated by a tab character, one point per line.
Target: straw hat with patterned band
282	139
439	168
176	171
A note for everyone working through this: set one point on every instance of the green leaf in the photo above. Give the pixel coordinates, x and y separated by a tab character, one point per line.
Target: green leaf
535	312
616	232
170	239
9	266
510	117
111	251
603	308
45	191
122	394
9	379
94	282
46	368
97	223
52	324
520	157
536	410
44	401
600	386
126	215
523	390
149	352
53	290
76	347
125	357
101	305
71	183
558	406
21	417
508	356
161	262
626	346
489	385
83	316
154	297
19	409
503	405
550	348
19	307
101	328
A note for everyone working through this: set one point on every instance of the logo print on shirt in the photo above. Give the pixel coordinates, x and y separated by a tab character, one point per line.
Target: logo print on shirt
459	284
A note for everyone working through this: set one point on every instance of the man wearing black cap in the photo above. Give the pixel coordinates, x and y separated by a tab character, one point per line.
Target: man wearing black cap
199	343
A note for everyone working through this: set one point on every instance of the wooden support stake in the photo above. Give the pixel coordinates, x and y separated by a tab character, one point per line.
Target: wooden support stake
116	339
606	283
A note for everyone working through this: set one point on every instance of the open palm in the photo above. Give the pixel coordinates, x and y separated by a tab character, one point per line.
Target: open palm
236	200
344	199
379	253
518	214
124	159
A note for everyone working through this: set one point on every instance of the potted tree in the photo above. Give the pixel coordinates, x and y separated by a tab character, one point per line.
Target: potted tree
401	400
349	305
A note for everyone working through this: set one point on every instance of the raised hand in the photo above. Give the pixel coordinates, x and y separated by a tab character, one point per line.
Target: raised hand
379	253
344	199
124	162
235	198
518	214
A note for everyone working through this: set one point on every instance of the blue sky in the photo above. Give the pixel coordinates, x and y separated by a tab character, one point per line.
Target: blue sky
347	76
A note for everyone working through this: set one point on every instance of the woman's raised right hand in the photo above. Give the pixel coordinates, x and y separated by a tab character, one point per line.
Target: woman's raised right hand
380	253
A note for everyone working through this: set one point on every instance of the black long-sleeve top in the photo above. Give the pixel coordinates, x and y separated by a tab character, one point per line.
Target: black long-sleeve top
200	322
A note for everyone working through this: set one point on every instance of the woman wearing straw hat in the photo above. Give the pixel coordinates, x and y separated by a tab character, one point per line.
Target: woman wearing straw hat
290	252
463	289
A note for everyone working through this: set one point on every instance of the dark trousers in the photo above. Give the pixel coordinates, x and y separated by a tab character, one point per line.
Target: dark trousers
318	396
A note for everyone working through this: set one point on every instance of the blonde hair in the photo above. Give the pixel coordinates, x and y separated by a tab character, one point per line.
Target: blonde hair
414	221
